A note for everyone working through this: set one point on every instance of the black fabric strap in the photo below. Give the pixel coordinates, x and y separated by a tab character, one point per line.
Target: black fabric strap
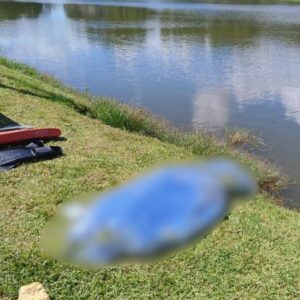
12	157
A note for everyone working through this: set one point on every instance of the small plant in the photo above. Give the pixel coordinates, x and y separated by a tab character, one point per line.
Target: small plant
243	137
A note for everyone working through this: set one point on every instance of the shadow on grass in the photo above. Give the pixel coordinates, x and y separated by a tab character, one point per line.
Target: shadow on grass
35	91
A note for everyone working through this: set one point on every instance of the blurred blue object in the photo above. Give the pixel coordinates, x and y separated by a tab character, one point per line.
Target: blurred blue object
165	209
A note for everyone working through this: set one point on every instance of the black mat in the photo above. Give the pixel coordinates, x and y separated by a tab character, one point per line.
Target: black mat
8	124
33	151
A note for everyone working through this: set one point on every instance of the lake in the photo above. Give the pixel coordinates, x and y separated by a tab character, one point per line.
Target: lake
198	65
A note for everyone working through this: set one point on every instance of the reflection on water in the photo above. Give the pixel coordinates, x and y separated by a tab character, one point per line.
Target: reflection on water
116	14
14	11
198	65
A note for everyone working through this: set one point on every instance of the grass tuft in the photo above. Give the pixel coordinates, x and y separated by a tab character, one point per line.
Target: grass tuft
240	137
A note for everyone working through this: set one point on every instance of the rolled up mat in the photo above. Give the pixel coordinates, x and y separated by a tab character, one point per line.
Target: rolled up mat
15	136
12	157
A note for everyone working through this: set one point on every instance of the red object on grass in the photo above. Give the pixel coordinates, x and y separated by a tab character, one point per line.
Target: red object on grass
15	136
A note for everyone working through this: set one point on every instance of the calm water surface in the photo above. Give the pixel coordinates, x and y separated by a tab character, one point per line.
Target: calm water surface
198	65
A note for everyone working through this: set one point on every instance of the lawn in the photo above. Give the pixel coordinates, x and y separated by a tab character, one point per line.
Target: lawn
253	255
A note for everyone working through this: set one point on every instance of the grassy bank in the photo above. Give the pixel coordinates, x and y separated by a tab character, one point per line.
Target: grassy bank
255	254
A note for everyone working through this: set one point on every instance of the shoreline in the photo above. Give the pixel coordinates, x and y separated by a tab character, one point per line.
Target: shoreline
138	120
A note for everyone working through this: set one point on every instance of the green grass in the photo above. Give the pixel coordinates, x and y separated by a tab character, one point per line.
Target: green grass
253	255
